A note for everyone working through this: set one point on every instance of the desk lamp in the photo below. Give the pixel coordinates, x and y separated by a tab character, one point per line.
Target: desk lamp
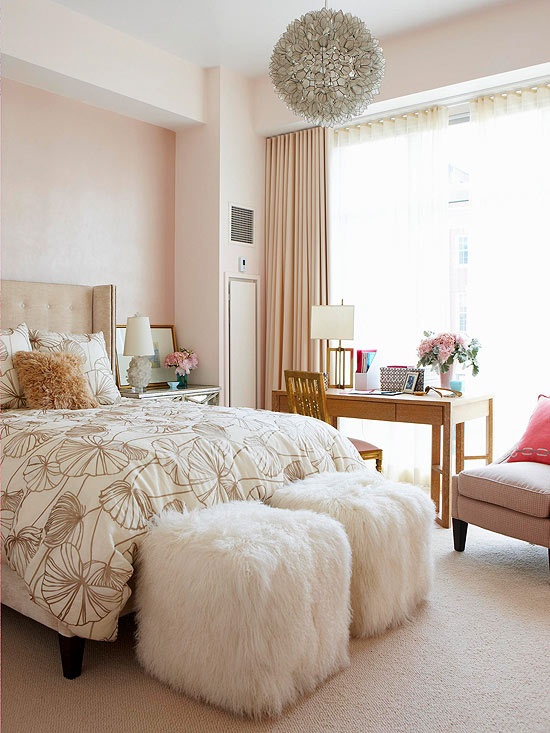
335	322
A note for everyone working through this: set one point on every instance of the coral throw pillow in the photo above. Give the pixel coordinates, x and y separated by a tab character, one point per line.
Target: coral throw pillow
53	381
535	444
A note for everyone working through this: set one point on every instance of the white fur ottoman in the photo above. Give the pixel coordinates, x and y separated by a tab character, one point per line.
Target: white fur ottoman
242	605
389	526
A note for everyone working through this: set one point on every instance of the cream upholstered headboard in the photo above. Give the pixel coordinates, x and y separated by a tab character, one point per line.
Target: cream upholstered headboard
58	307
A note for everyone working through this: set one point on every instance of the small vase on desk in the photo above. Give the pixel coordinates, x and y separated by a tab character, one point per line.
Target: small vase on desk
445	377
182	381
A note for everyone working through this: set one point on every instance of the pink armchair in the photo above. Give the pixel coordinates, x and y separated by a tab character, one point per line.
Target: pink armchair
509	498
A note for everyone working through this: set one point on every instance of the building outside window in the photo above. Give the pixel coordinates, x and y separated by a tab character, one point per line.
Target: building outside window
463	250
459	219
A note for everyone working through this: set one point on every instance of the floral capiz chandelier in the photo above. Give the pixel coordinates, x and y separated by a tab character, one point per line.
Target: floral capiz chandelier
327	67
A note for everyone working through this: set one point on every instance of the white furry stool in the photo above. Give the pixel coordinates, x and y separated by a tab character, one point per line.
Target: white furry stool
389	526
242	605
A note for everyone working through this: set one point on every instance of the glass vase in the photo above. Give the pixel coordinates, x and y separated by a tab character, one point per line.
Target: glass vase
182	381
445	377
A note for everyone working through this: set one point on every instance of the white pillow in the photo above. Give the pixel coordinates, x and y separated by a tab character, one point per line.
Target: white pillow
12	340
91	348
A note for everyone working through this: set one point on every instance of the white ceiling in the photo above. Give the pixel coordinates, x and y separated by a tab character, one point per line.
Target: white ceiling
240	34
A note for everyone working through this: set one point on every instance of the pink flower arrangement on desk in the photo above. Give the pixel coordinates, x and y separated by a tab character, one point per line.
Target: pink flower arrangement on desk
184	360
441	350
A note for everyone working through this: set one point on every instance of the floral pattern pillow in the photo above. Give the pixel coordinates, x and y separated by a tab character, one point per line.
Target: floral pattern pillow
90	347
12	340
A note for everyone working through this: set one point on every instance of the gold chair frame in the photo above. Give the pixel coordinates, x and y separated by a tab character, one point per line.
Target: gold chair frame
307	396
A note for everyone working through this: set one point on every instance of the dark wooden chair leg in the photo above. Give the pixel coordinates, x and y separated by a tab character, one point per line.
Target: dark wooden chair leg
460	529
72	654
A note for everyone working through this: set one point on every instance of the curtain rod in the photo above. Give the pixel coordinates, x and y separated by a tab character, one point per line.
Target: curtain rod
450	101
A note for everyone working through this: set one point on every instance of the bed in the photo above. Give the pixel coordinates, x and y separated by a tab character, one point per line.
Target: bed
79	487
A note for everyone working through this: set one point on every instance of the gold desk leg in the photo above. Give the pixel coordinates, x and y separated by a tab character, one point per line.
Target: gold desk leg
446	471
435	477
459	461
489	432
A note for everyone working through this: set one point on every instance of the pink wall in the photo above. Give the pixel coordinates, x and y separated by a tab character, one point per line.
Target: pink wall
197	258
494	40
88	198
219	163
242	167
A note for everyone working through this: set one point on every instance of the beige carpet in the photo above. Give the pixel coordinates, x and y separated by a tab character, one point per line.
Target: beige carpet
476	658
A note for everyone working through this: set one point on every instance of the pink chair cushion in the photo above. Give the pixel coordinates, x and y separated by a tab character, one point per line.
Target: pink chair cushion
362	445
521	487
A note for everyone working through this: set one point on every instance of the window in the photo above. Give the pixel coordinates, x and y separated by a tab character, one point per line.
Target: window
425	219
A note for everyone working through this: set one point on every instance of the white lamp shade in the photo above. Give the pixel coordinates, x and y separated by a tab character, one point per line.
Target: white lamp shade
332	322
138	340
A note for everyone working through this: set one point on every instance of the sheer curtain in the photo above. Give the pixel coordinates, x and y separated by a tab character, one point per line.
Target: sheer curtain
388	254
508	294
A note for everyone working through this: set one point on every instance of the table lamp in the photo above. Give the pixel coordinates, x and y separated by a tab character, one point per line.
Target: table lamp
138	343
335	322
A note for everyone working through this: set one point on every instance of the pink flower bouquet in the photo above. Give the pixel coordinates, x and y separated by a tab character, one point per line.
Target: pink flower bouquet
441	350
184	360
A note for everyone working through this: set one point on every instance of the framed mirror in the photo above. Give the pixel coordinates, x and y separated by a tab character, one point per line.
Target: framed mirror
164	341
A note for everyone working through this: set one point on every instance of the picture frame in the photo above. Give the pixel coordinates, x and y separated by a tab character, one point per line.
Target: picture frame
164	341
410	382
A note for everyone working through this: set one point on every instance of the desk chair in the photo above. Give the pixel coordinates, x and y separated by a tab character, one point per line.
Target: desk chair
307	396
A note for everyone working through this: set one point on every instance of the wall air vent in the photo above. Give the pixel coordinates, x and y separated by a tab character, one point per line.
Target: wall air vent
241	225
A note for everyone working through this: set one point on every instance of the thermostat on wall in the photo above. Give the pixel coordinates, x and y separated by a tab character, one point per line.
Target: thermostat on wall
242	264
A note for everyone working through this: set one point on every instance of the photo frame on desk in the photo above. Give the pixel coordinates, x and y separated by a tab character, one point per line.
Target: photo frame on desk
409	385
164	341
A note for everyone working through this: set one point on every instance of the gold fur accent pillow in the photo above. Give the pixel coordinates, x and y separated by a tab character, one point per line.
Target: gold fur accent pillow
53	381
90	347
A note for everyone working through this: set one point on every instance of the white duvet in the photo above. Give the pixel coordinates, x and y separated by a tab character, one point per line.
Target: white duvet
79	488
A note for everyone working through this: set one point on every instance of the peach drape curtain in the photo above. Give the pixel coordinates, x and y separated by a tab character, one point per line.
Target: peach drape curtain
296	251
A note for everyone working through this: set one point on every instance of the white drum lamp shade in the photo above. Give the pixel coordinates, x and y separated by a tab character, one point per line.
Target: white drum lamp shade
332	322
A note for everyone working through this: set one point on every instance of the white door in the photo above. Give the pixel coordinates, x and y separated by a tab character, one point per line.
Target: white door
242	327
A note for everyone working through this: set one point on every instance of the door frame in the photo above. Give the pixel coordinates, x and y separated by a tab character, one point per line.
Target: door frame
228	276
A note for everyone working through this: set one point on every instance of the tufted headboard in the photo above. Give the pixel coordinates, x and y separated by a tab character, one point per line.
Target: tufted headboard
58	307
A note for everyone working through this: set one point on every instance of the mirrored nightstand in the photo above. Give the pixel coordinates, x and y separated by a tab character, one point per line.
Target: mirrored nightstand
198	393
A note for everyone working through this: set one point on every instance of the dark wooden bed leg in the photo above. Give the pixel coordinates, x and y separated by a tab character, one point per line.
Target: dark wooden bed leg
460	529
72	653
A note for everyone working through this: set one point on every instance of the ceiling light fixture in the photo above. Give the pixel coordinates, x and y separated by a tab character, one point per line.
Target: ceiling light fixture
327	67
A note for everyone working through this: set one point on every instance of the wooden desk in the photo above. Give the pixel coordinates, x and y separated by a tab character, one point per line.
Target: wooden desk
442	413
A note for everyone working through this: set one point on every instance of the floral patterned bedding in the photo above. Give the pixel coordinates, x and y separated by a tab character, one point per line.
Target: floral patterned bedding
79	488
